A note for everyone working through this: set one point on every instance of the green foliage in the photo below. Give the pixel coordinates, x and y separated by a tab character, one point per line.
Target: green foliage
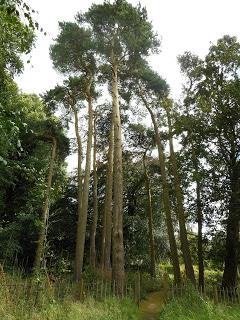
25	145
19	8
140	137
74	49
116	34
16	38
192	307
149	284
149	80
70	95
122	31
135	217
216	249
19	305
208	123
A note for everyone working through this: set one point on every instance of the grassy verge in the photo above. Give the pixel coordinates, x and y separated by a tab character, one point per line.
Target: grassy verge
111	309
192	307
38	302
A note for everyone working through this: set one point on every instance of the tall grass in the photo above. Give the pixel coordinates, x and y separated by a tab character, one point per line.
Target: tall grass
30	299
111	309
191	306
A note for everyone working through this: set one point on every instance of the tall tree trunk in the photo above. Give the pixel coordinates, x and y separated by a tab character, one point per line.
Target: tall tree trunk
95	203
107	215
200	236
45	212
166	200
180	209
117	237
79	197
150	219
232	241
195	162
85	192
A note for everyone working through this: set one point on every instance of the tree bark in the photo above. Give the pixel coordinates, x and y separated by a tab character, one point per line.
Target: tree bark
79	197
232	242
107	215
150	220
195	162
180	210
166	200
200	237
117	236
45	213
95	203
85	192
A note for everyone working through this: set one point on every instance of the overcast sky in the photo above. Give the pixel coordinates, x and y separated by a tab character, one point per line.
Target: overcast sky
183	25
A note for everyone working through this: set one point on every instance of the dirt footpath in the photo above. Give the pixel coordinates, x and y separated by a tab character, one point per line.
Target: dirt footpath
152	305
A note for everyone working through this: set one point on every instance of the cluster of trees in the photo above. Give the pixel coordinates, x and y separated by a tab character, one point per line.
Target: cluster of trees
133	196
33	144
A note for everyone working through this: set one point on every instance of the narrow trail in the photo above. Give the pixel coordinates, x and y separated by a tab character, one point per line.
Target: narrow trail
152	305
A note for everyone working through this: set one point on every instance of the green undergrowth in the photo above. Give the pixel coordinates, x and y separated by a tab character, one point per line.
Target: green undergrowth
20	301
193	307
110	309
213	276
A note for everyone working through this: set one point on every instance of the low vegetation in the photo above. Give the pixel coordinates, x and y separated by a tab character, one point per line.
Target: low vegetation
191	306
111	309
24	299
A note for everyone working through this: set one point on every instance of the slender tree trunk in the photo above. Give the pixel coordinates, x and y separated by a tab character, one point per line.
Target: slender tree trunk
166	200
117	237
199	216
79	197
95	203
45	212
85	192
199	222
150	220
200	237
180	210
107	215
232	242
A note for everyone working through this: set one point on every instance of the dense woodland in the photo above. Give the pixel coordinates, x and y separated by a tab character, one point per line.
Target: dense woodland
157	180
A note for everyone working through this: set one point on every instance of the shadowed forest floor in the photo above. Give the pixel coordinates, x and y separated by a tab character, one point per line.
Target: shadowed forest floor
152	305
